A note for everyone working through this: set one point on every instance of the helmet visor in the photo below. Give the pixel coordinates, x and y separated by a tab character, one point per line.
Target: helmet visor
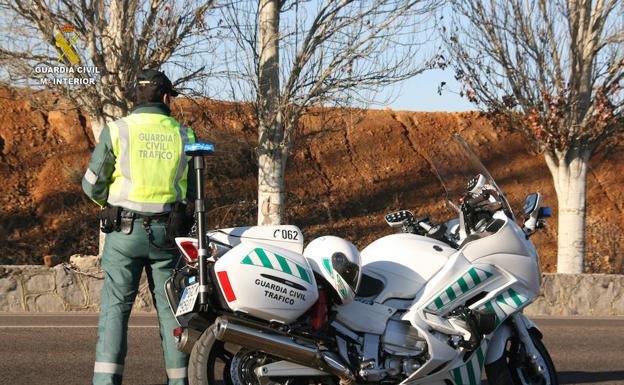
348	270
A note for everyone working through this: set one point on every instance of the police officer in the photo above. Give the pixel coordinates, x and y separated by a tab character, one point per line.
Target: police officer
138	174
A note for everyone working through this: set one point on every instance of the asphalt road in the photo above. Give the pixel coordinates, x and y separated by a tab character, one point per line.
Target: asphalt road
59	349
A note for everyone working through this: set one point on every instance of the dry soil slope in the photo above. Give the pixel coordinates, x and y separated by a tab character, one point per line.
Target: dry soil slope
347	169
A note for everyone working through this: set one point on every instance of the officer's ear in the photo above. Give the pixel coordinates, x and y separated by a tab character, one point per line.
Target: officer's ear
166	98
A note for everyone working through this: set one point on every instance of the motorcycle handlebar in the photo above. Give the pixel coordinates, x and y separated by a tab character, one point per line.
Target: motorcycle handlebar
424	225
478	199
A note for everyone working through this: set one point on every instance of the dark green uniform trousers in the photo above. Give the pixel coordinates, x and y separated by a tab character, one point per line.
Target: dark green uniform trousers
123	260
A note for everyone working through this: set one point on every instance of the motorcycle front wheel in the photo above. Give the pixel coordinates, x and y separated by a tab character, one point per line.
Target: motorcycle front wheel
515	366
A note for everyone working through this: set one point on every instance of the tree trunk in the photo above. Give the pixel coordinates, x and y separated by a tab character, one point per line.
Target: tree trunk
569	171
270	189
271	158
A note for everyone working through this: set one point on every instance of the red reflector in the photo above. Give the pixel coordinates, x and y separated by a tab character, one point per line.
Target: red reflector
177	332
189	251
224	280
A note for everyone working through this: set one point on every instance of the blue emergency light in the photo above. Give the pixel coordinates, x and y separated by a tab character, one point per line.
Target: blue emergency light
199	149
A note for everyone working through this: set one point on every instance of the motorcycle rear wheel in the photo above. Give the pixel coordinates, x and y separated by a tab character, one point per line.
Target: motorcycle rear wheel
209	362
512	369
213	362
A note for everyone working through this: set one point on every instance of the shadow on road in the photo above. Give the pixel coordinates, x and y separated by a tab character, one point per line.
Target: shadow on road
589	377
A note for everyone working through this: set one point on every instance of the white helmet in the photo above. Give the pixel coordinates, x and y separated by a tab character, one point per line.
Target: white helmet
338	261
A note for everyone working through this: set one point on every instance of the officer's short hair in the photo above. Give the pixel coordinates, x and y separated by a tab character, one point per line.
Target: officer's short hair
152	85
147	94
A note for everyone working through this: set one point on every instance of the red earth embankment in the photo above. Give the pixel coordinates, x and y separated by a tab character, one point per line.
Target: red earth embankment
347	169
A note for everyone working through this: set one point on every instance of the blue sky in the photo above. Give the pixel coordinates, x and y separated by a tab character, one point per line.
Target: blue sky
420	93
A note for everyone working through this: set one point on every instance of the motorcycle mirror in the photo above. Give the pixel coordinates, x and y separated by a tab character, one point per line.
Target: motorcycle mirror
531	210
532	203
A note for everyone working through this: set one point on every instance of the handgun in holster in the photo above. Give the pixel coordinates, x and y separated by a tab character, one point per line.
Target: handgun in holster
127	220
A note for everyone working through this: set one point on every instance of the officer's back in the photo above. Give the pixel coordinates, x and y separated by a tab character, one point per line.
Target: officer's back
138	174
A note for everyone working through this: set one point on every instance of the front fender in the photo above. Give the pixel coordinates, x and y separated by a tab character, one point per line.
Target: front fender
528	324
496	347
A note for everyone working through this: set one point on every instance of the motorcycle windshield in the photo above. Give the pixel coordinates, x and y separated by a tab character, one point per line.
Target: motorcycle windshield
454	163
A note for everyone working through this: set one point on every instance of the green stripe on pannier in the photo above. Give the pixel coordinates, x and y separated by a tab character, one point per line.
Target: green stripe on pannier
303	273
263	258
284	264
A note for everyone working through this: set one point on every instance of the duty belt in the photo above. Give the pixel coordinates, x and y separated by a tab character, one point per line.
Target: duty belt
128	217
149	217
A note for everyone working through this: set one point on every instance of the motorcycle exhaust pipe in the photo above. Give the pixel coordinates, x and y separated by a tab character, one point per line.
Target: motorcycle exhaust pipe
258	337
187	339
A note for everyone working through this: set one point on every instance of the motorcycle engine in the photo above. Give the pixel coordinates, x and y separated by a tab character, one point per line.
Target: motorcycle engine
401	339
402	345
396	355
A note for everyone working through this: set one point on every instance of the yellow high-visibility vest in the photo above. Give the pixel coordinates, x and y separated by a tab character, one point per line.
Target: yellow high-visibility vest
150	166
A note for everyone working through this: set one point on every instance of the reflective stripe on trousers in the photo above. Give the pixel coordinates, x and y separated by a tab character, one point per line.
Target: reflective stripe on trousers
176	373
108	368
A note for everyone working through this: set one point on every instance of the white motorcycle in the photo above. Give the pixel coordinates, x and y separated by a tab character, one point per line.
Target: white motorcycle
433	304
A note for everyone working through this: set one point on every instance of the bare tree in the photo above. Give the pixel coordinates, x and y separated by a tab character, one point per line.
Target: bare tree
554	69
290	55
118	38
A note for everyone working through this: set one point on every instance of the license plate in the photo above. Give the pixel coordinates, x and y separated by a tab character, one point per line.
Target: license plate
189	297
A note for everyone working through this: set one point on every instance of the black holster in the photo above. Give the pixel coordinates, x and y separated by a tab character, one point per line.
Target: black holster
115	218
178	223
110	219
